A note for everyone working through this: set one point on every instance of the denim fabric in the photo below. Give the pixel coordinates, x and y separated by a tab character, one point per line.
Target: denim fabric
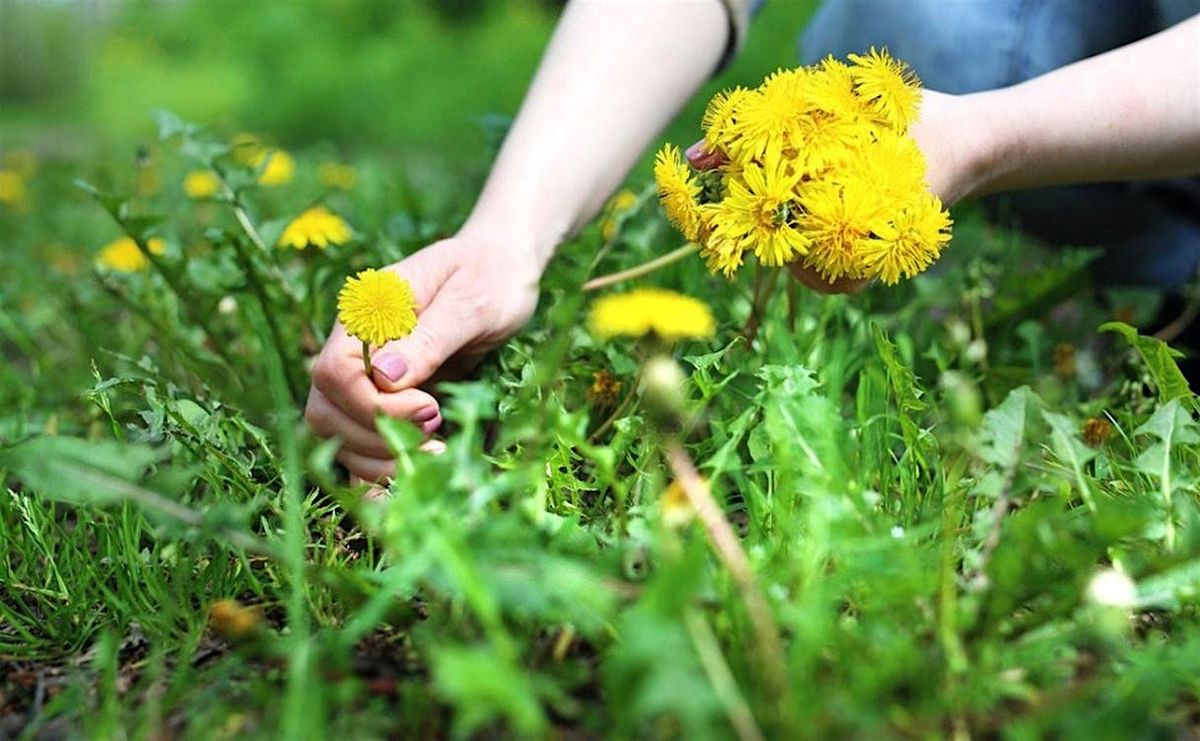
1151	230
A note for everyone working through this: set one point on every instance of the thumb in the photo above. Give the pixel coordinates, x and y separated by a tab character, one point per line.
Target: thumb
410	362
701	158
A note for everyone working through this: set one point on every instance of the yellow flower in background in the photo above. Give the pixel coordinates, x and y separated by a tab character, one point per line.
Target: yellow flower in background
617	205
678	191
317	226
123	255
21	161
888	87
247	149
759	214
377	306
278	167
674	506
335	175
201	184
12	190
643	311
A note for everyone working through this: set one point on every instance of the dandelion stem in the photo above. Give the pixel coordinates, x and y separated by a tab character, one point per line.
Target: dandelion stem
643	269
762	293
720	677
367	357
729	550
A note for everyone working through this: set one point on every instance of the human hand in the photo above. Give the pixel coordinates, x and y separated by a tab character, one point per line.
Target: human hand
955	139
472	294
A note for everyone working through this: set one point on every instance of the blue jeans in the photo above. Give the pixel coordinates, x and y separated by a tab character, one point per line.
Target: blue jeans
1150	230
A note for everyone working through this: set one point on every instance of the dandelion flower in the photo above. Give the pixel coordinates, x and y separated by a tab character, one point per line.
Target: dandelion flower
201	184
12	189
840	221
759	214
604	390
232	620
887	86
909	243
767	118
616	207
124	256
674	506
278	167
318	226
665	314
830	90
376	307
333	175
247	149
720	117
678	191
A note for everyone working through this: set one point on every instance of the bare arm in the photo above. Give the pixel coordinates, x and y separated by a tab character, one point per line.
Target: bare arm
1131	113
614	75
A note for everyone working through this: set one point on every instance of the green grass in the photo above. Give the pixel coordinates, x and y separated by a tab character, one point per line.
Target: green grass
906	470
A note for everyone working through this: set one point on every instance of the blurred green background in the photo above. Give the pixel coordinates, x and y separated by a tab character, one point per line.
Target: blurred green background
379	78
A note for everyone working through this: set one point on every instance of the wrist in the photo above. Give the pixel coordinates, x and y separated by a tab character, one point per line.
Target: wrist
521	248
992	155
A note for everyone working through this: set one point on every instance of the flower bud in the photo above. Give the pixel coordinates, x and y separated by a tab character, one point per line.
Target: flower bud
662	381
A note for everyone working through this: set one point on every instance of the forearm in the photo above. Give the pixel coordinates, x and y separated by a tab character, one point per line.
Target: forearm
1129	114
613	76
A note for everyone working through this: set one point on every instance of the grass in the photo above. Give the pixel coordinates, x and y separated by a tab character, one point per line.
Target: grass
918	479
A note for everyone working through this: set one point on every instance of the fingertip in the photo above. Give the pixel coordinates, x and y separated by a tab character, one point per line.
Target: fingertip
388	370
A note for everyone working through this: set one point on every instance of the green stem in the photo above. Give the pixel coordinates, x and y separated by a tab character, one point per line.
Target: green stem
643	269
367	358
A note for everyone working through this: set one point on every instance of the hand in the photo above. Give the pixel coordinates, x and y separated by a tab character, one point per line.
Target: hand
954	137
472	294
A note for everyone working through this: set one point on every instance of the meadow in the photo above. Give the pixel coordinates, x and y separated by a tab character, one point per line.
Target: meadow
964	506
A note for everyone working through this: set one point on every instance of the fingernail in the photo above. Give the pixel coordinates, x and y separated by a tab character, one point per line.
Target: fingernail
696	151
425	415
431	425
392	366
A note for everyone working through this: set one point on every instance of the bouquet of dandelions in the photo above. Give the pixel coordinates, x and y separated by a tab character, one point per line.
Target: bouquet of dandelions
814	169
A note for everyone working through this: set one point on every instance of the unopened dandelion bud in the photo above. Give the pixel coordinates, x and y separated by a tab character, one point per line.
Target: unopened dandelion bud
1111	588
662	380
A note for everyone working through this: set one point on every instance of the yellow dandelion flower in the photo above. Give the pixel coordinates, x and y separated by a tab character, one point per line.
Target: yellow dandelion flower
21	161
678	191
377	306
644	311
616	206
909	243
766	118
674	506
888	88
839	220
830	89
824	140
123	255
720	116
893	166
334	175
318	226
232	620
12	189
278	167
759	214
247	149
201	184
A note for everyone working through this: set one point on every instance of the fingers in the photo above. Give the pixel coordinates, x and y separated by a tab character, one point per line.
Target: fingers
339	376
701	158
442	330
328	421
367	468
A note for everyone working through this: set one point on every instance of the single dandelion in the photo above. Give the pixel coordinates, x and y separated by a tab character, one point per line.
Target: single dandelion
909	242
720	118
616	207
675	508
124	256
278	167
678	191
201	184
604	390
13	193
336	176
318	226
376	307
1096	431
840	221
651	311
887	87
760	214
